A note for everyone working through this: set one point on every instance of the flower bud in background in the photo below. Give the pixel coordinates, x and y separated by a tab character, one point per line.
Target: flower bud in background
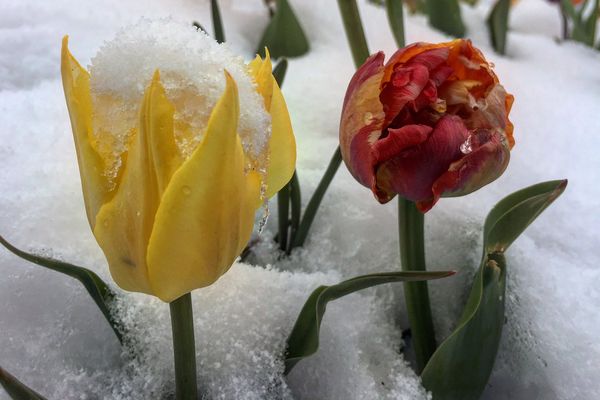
431	122
178	143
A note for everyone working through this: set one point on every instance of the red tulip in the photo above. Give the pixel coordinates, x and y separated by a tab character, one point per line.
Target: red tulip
432	122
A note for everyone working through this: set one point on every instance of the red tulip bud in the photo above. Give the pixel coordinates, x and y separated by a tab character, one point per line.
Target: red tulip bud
432	122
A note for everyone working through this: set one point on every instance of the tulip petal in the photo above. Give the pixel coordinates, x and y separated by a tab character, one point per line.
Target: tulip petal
76	84
412	173
261	71
282	144
157	122
478	168
362	119
206	214
125	223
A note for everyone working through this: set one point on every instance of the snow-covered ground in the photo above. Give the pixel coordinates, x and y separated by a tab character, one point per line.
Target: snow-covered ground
53	337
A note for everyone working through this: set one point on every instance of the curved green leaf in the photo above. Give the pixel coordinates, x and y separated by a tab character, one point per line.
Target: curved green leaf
498	25
304	338
102	295
284	36
16	389
513	214
445	16
462	364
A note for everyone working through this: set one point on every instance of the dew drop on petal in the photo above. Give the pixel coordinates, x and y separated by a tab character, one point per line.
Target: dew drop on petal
466	147
186	190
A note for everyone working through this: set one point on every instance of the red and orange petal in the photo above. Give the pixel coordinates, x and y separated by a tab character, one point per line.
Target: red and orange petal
362	119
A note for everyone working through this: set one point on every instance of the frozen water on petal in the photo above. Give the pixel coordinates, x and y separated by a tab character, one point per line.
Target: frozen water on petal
192	67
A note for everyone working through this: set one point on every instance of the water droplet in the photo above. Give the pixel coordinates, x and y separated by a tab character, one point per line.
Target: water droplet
466	147
138	213
105	223
265	217
368	118
186	190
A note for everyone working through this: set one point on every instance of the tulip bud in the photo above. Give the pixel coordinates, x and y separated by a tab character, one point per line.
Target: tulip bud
178	142
432	122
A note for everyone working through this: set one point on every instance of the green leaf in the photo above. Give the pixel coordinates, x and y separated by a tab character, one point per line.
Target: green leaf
279	71
284	36
296	205
304	338
102	295
589	26
395	15
582	29
498	25
217	22
512	215
16	389
462	364
445	16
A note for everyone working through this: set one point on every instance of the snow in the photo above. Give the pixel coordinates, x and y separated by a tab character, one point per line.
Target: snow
192	67
54	338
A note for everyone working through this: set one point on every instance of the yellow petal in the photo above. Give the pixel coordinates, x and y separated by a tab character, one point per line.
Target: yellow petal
282	145
76	84
207	212
262	72
162	148
124	224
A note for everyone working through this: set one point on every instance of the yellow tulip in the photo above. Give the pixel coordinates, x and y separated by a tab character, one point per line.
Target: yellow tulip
171	224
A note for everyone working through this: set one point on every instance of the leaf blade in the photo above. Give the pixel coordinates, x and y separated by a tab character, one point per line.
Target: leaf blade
445	16
100	292
462	364
284	36
498	25
304	338
513	214
16	389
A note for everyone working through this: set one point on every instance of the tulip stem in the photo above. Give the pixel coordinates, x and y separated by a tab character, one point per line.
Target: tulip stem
360	52
412	258
296	204
184	348
283	215
395	15
354	31
315	200
217	21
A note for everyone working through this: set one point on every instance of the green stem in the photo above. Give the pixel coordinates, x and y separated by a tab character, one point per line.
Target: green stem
412	257
217	21
184	348
283	216
395	15
296	204
360	52
315	200
354	31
